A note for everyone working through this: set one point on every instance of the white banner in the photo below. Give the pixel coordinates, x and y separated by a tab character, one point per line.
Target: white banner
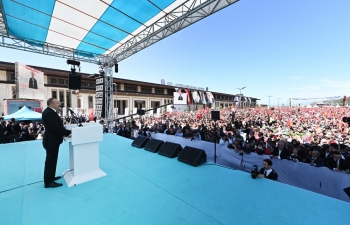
30	82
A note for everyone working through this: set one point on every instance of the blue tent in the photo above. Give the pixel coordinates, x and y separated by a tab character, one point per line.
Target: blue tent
24	114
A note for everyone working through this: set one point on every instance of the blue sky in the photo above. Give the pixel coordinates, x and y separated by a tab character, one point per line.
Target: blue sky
283	48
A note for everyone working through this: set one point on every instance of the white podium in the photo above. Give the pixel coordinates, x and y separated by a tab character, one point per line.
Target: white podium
84	163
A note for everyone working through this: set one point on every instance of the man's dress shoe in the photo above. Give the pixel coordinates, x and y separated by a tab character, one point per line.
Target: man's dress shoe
57	178
53	185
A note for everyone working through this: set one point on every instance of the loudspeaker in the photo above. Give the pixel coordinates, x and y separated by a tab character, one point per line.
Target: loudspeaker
215	115
154	145
192	156
170	149
141	112
116	68
347	191
74	81
140	142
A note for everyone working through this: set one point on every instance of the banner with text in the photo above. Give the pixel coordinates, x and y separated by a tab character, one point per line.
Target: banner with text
100	97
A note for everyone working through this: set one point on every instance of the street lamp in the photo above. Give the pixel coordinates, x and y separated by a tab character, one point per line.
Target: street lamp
240	89
269	99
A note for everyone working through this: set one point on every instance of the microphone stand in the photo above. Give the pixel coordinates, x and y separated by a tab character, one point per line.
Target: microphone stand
75	118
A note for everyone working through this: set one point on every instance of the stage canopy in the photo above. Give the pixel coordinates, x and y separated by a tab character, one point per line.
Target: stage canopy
24	114
97	30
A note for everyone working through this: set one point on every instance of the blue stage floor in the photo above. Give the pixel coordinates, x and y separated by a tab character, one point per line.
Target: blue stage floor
145	188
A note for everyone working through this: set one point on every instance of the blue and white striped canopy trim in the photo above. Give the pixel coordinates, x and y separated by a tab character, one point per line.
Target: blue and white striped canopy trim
95	26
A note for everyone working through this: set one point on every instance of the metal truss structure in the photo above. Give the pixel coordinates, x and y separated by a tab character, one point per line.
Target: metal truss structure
184	15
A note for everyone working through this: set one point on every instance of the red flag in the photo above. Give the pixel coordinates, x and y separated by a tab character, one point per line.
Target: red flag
189	97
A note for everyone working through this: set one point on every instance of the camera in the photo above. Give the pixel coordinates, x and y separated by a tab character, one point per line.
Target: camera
255	171
293	157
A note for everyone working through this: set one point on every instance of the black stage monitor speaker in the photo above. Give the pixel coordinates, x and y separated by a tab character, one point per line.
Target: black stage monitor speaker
170	149
140	142
154	145
192	156
215	115
347	191
74	81
140	112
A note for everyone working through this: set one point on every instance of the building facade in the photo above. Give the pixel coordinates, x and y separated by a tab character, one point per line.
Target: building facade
129	95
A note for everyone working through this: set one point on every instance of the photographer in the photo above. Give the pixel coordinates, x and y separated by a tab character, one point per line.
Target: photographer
267	171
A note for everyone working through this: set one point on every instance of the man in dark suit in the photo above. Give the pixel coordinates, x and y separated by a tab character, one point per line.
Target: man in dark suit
315	159
32	82
336	163
2	131
53	137
280	152
267	171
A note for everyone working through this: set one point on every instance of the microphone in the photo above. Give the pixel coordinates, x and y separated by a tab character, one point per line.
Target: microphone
71	112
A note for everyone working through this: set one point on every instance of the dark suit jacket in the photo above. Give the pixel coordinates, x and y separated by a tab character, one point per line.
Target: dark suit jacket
284	153
2	131
318	161
54	130
331	164
272	175
31	85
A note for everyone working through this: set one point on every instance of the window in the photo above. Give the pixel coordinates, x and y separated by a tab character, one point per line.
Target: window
130	88
89	84
159	91
68	97
91	103
14	92
83	84
146	89
61	96
53	80
114	87
79	103
54	94
60	81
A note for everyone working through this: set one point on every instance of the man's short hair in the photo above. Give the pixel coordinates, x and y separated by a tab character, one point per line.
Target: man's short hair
336	153
1	118
268	161
49	101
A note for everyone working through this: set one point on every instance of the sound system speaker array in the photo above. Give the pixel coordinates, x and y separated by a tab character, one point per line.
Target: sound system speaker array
154	145
140	142
215	115
170	149
192	156
74	81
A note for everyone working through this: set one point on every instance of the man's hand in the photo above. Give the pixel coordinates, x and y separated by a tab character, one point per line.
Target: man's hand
260	176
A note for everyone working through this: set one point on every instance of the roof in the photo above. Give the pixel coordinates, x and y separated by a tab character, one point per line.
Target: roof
94	28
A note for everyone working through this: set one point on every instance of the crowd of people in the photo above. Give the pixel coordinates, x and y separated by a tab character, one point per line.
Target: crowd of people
317	136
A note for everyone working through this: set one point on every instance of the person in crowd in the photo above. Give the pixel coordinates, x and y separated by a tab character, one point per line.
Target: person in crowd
178	133
315	159
295	156
280	152
267	171
14	129
53	137
261	149
336	163
149	136
2	131
224	141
